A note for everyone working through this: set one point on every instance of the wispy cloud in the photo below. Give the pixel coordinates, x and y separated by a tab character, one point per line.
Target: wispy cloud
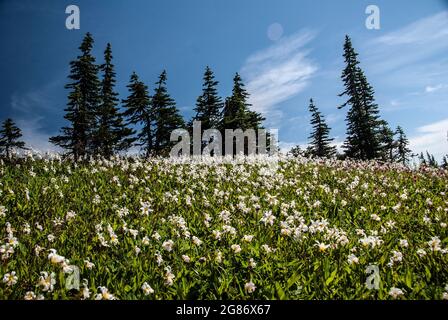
432	138
278	73
435	88
32	111
410	44
34	136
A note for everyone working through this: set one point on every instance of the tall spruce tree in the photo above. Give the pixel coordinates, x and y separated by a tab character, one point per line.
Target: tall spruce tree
83	101
112	135
320	142
166	115
387	143
237	114
138	111
402	146
208	104
10	136
363	123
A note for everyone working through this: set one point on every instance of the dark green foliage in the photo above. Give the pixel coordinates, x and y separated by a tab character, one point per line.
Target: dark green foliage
166	115
83	101
387	143
138	111
209	104
429	161
236	113
111	134
402	150
320	142
10	136
363	123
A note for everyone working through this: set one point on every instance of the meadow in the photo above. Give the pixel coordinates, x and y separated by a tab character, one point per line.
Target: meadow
222	229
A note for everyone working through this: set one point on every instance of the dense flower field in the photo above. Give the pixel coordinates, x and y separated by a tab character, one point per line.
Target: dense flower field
214	229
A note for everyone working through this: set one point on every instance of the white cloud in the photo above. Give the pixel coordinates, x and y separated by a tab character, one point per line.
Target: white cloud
278	73
33	136
430	89
410	44
431	138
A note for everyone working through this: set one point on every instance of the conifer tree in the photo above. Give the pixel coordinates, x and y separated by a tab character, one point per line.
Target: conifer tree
166	115
208	104
138	111
387	143
111	134
363	124
320	145
236	113
402	143
445	162
83	100
10	136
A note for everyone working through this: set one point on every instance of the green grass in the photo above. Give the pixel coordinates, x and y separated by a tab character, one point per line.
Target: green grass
312	202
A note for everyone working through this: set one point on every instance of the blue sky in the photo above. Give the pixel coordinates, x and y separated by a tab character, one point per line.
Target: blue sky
287	52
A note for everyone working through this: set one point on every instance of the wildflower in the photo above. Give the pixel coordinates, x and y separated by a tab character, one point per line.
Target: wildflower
352	259
434	244
10	278
202	260
168	245
266	248
248	238
395	292
268	218
322	246
252	263
137	250
105	294
47	281
145	241
89	265
375	217
145	209
421	253
397	256
3	211
55	258
156	236
216	234
29	295
404	243
159	258
147	289
26	228
236	248
37	250
250	287
186	258
85	291
169	277
51	237
70	215
196	241
218	256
